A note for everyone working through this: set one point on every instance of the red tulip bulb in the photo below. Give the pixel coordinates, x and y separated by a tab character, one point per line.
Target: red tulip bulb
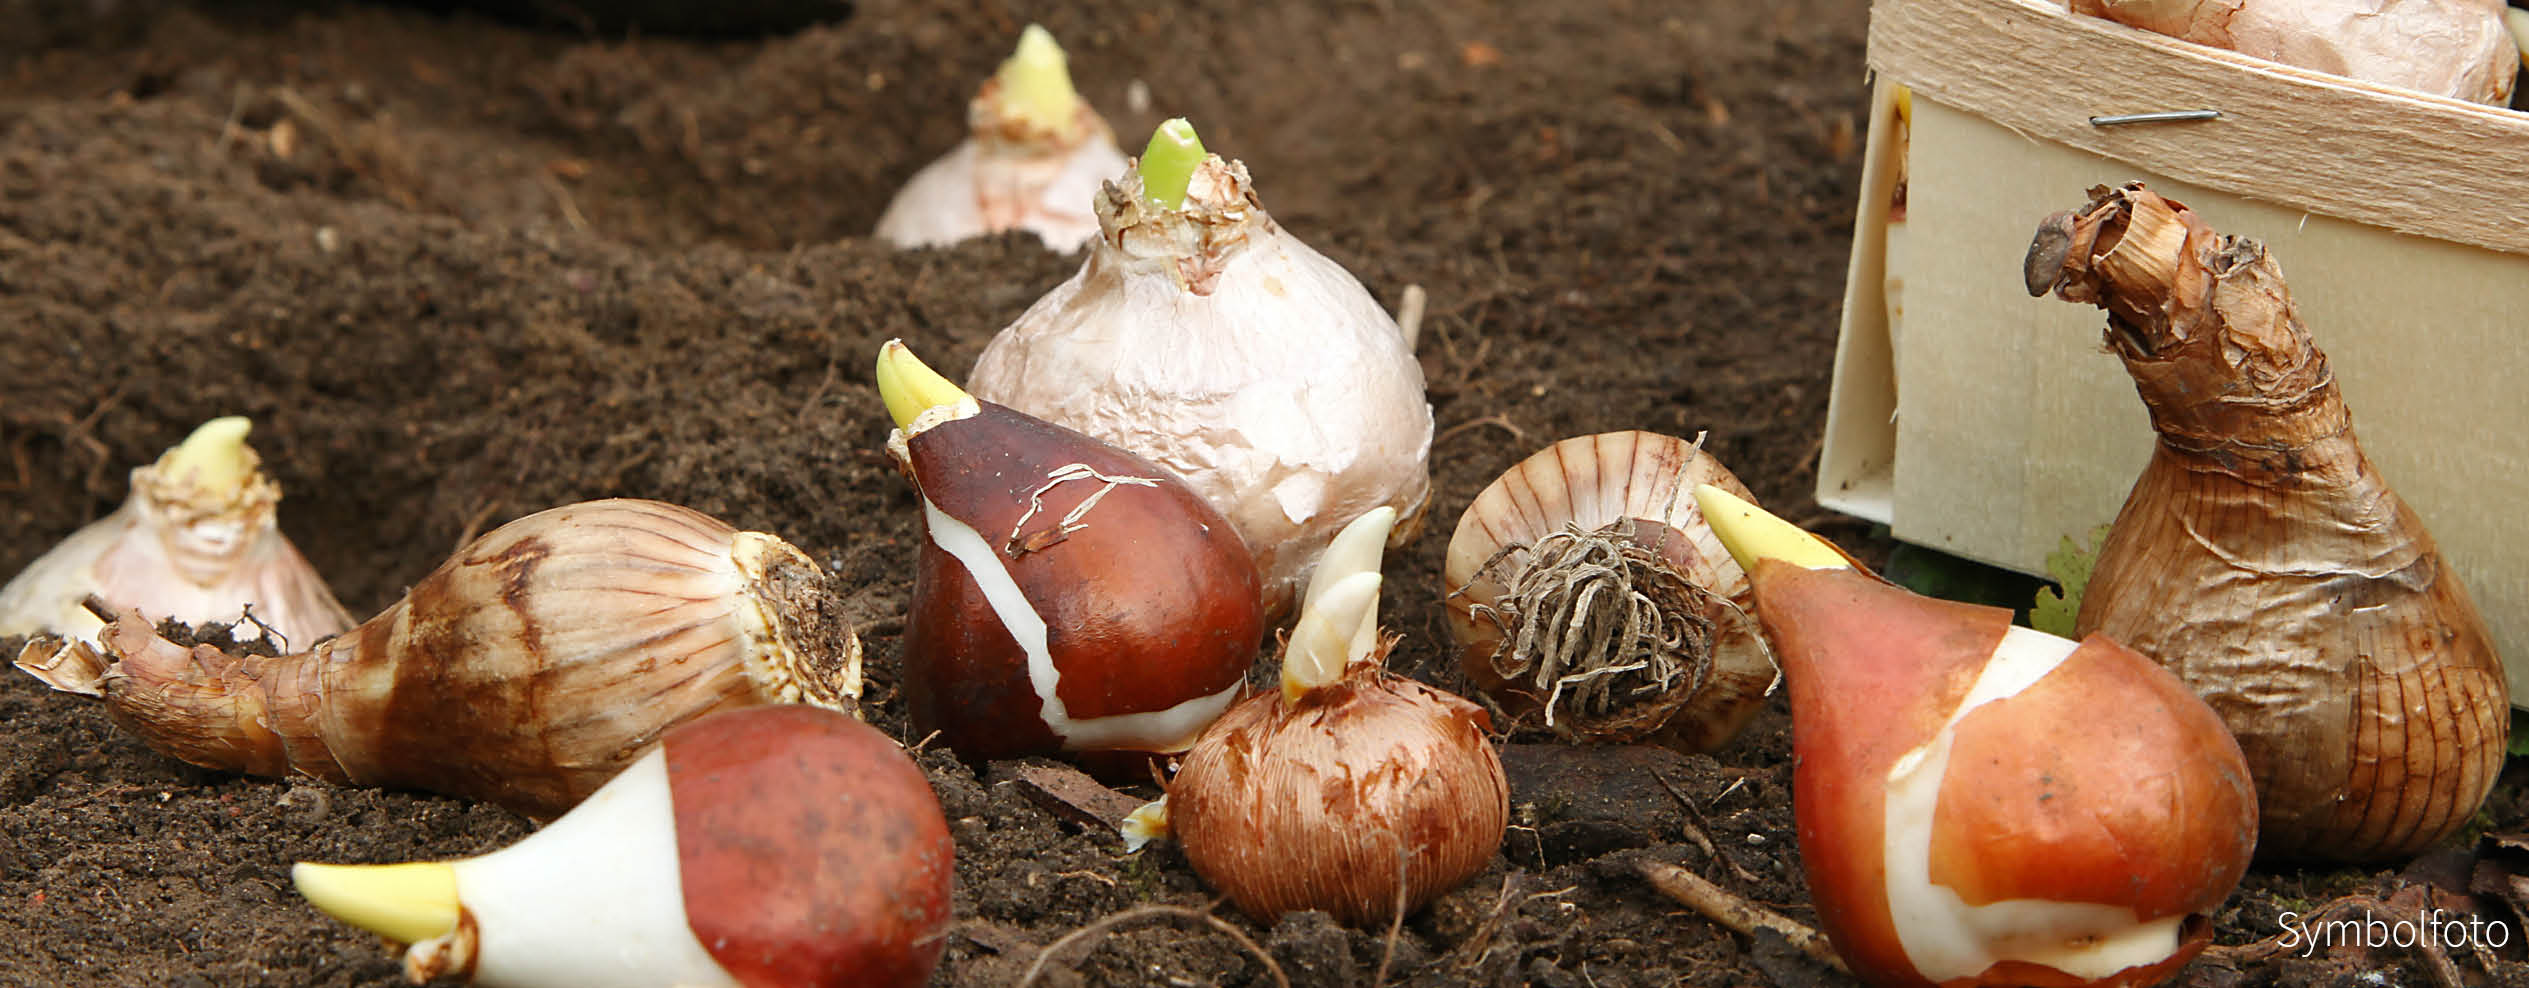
778	845
1070	596
1982	804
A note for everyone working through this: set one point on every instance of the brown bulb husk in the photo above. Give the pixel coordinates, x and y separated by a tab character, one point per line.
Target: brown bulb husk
1370	794
2263	559
1588	596
526	670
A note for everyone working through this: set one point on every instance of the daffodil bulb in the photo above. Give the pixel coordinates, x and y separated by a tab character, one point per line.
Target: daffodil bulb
195	542
1033	159
1202	335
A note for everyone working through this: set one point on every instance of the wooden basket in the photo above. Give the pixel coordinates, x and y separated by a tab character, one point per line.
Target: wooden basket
1991	425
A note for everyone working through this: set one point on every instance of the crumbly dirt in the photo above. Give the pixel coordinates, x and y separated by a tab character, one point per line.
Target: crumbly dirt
460	270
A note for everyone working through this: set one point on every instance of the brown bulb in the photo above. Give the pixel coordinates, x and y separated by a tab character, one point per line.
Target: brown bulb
526	670
1589	597
1349	789
1069	596
2263	558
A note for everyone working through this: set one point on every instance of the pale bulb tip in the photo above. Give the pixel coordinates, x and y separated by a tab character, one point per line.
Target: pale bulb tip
910	387
1327	638
214	457
407	903
1145	824
1036	81
1751	533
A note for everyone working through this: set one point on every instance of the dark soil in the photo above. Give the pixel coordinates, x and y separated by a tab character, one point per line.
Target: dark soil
459	271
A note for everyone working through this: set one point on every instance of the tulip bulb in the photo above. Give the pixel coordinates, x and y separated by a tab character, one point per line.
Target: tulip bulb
1069	596
1350	789
2263	559
1033	161
526	670
1587	594
1982	804
781	845
195	542
1201	334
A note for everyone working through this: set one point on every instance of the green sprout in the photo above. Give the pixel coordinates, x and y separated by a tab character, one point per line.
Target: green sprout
1168	163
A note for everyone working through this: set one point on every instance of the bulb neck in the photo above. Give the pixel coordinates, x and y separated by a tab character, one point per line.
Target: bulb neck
2206	326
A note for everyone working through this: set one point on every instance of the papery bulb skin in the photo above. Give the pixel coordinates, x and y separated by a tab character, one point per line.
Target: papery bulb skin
526	670
1033	160
1980	804
1212	341
2455	48
1601	534
2263	558
1069	596
772	846
1330	801
197	541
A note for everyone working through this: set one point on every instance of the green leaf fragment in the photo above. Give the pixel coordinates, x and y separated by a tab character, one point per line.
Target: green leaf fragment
2069	565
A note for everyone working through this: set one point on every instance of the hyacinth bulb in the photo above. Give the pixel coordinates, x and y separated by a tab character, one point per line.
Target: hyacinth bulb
1033	159
1069	596
782	845
1982	804
196	542
1201	334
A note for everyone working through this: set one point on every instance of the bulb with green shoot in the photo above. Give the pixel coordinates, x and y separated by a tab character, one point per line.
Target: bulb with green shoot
1203	335
196	542
1032	160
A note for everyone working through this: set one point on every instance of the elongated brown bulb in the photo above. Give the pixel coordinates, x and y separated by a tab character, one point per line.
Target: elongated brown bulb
1070	595
526	670
2263	559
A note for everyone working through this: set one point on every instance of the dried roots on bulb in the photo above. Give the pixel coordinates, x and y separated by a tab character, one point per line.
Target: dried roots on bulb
1589	597
1350	789
1202	335
196	542
1033	159
526	670
2264	560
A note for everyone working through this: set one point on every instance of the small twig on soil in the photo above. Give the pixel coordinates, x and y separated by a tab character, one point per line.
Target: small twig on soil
1497	418
474	523
1729	909
1395	924
1695	830
1108	924
562	196
817	395
1479	944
